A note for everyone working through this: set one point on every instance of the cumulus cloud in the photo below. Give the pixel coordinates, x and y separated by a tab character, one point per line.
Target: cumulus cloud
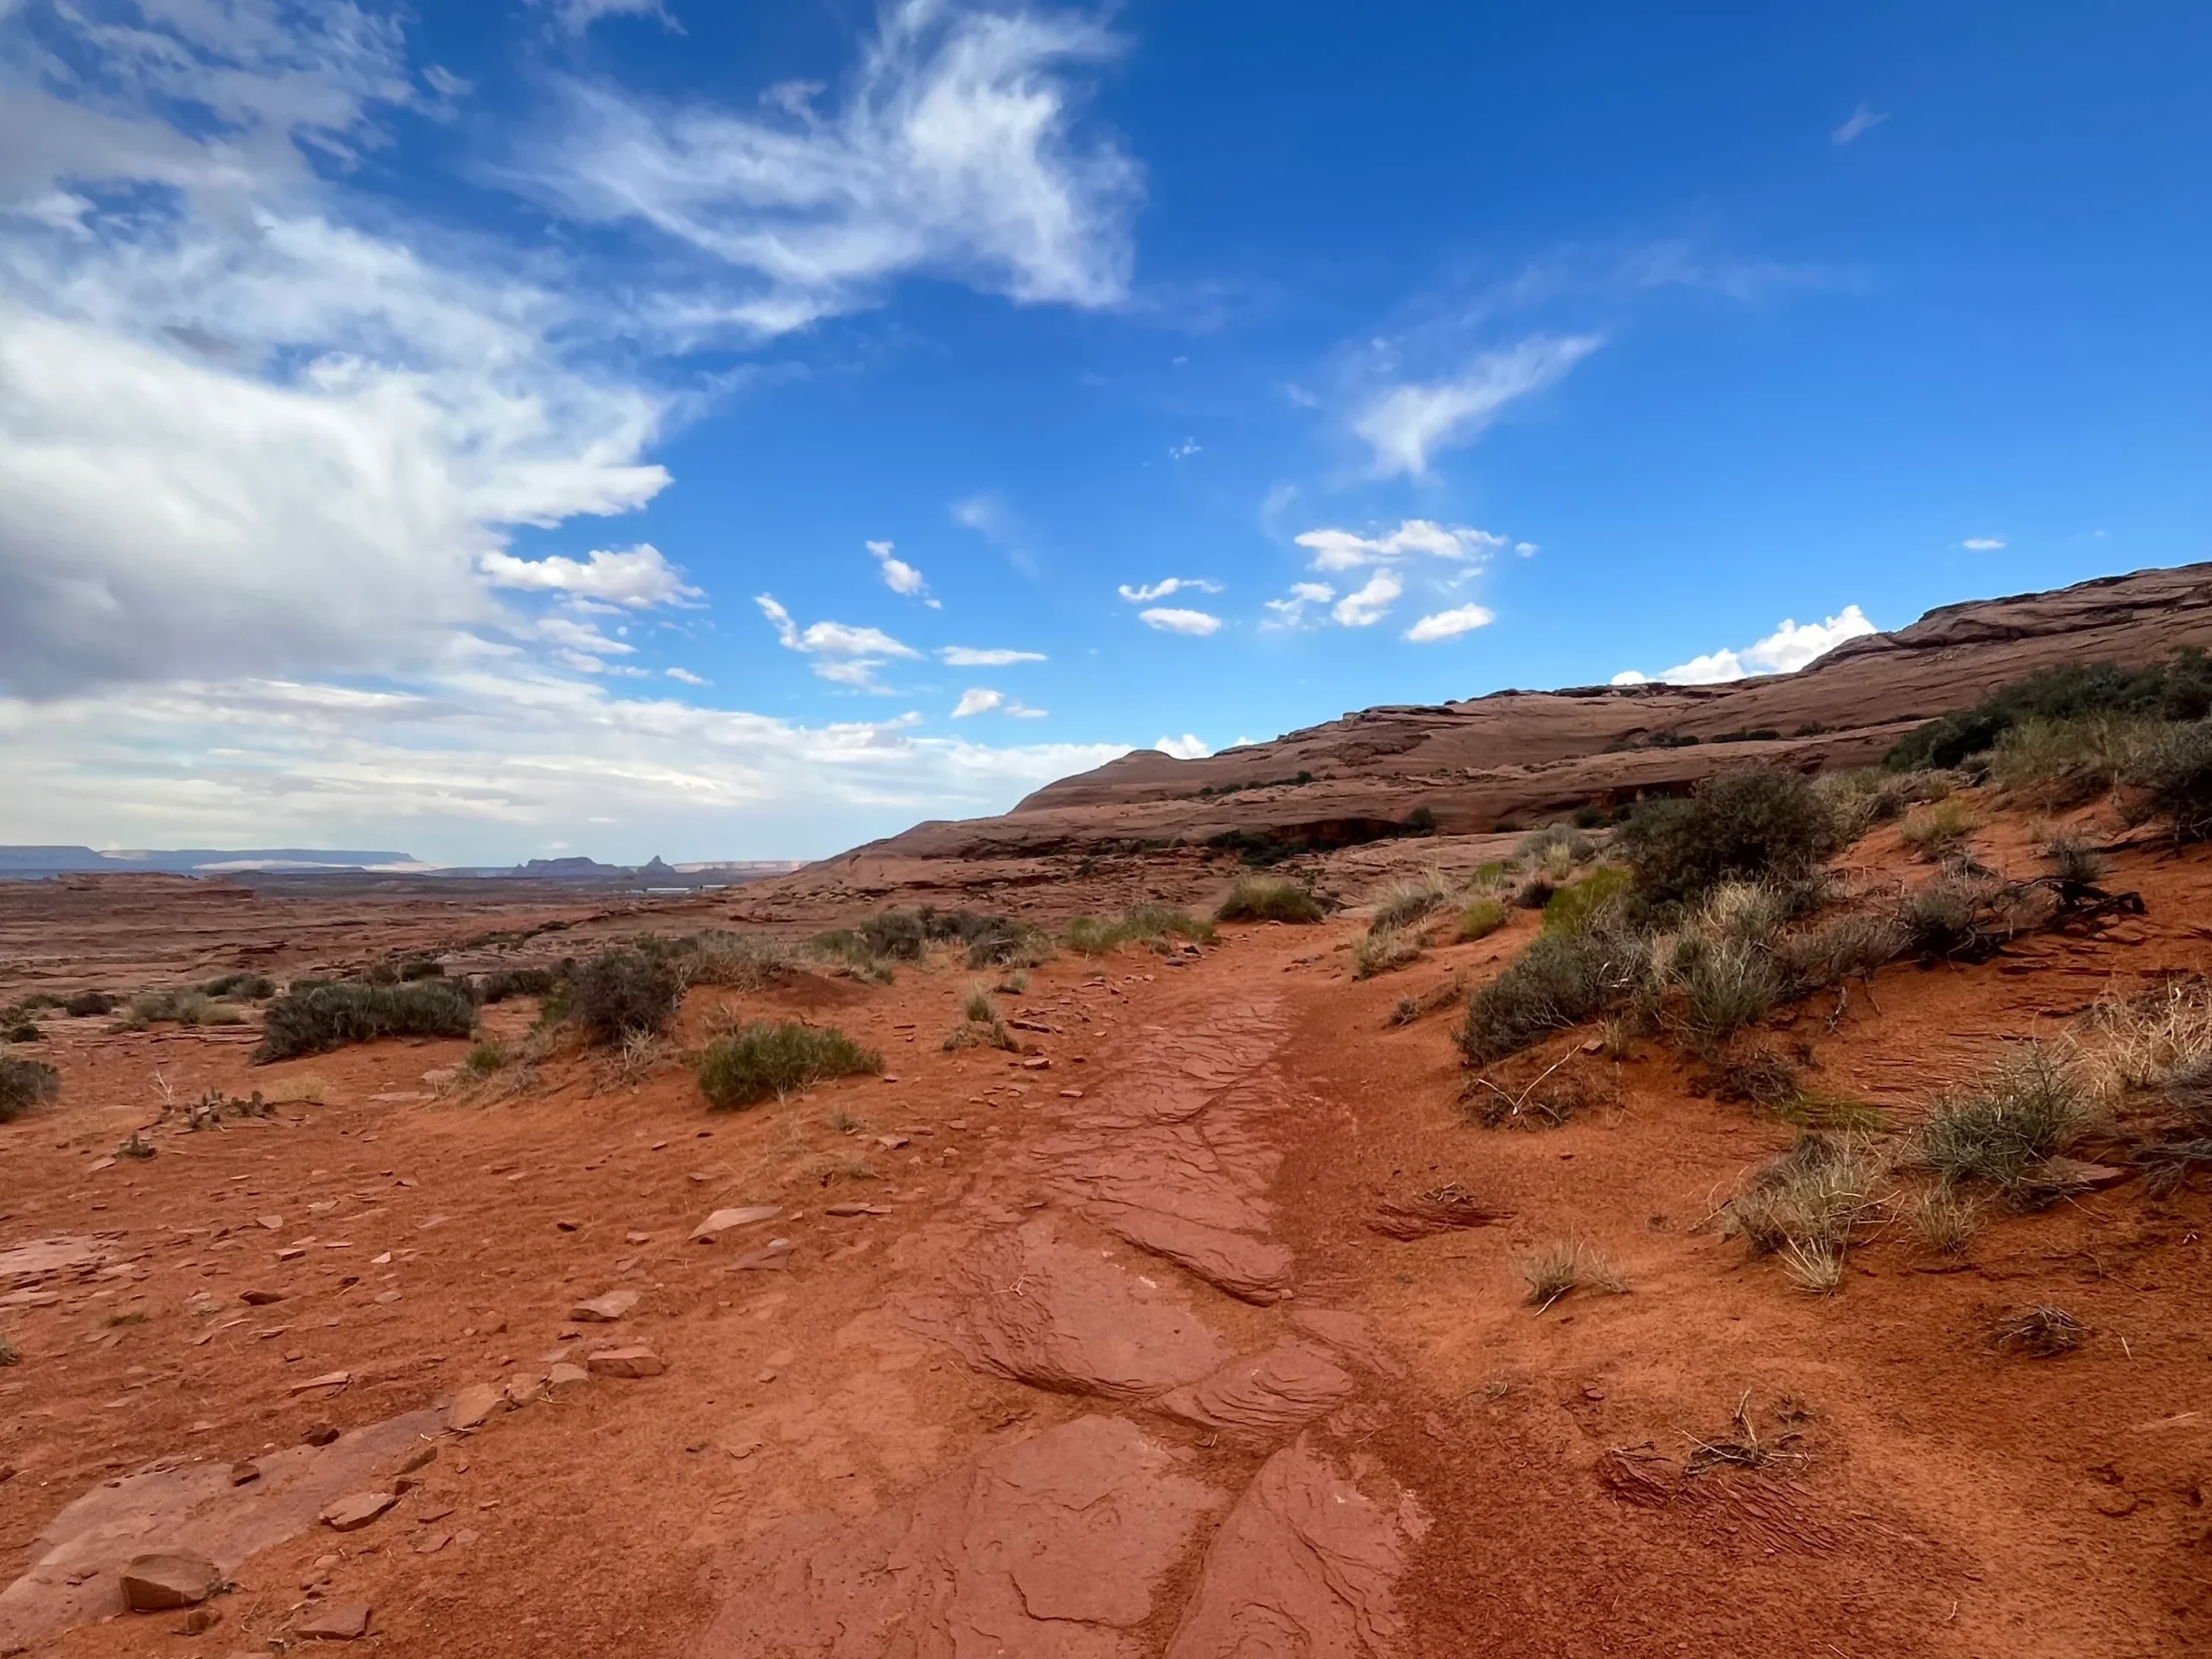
1861	120
1788	649
1370	604
978	700
1146	594
1290	612
1982	543
955	151
685	677
901	577
842	654
1168	620
1342	549
1449	625
1406	424
1185	748
969	656
638	578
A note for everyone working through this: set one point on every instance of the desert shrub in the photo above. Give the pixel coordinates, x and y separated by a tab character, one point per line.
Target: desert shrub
1268	899
1741	824
2144	1042
483	1059
2062	763
1934	832
1862	796
2041	1332
403	971
180	1007
1807	1202
976	1003
763	1061
1729	987
1535	893
1944	1217
901	935
1381	951
2178	689
2172	775
1560	980
1148	925
327	1015
252	987
1002	941
87	1003
1849	947
2026	1108
1403	903
1552	1270
25	1083
621	992
1537	848
850	955
502	982
2074	862
1478	920
1947	915
1569	909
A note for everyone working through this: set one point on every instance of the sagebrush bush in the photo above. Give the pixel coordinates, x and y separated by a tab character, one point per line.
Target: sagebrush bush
1947	914
2180	689
623	992
191	1008
1849	947
764	1061
1560	980
1741	824
2172	775
1569	909
1478	920
2074	862
85	1003
901	935
1934	832
319	1016
252	987
2058	764
1538	847
1268	899
2027	1108
24	1084
502	982
1732	986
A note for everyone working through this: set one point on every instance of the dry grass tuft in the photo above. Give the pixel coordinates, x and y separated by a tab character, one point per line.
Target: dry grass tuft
1999	1129
1380	952
1806	1204
2041	1332
1553	1269
1945	1218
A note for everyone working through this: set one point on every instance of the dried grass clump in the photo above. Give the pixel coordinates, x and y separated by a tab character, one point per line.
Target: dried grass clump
1552	1270
1938	831
2144	1042
188	1008
1851	946
742	962
1945	1218
2170	774
848	955
1384	951
1807	1202
763	1061
1147	925
2041	1332
2058	763
1255	898
1729	987
1403	903
1997	1130
1866	796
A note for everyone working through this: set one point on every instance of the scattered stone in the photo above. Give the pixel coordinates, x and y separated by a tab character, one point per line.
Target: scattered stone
891	1142
291	1254
604	1310
431	1543
774	1257
386	1298
855	1208
352	1513
318	1435
260	1298
563	1374
335	1621
569	1226
475	1406
199	1621
244	1474
1039	1062
522	1387
274	1224
332	1380
164	1582
626	1363
637	1238
723	1220
421	1458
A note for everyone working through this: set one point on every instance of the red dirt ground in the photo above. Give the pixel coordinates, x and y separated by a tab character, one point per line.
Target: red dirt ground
1113	1362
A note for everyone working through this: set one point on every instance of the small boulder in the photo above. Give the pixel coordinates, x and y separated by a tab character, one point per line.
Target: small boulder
723	1220
318	1435
162	1583
244	1474
604	1310
474	1406
563	1374
626	1363
356	1510
335	1621
260	1298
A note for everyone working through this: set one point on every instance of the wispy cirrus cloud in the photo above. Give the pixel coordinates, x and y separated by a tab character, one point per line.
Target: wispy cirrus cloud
970	656
1983	543
1404	424
1860	121
1166	589
1344	550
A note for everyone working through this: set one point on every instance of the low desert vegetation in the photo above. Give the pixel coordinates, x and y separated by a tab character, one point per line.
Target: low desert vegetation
1741	824
1940	829
2172	775
1152	926
1861	798
1381	951
2001	1128
765	1061
981	1024
1552	1269
182	1008
1268	899
2177	689
622	993
2040	1332
1477	920
24	1084
1804	1206
1570	908
1404	903
314	1017
89	1004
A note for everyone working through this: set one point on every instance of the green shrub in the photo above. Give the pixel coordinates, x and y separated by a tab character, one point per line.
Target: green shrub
25	1083
622	993
2026	1108
87	1003
2180	689
1560	980
1742	825
1479	921
1569	910
252	987
319	1017
2172	772
850	955
2058	764
482	1060
1731	986
1948	914
763	1061
1268	899
502	982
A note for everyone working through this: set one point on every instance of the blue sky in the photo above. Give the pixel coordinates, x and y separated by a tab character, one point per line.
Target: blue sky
738	431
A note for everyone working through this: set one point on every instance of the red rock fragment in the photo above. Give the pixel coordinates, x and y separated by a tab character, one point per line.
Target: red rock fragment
335	1621
626	1363
352	1513
162	1583
604	1310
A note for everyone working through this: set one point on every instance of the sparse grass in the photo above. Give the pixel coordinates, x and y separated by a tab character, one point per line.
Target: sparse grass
1866	796
1569	909
1268	898
138	1145
2041	1332
2144	1042
841	1120
308	1087
622	993
976	1003
1380	952
2026	1108
25	1085
1552	1269
9	1354
1147	925
483	1059
1013	983
326	1016
502	982
2170	774
743	962
1560	980
762	1061
2057	763
1478	920
1807	1202
1742	825
1729	987
1813	1266
1937	832
640	1053
847	954
1948	914
1556	847
1945	1218
248	987
1404	903
1851	946
2074	861
189	1008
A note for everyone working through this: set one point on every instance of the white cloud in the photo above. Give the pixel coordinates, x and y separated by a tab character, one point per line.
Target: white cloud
1172	585
684	676
1184	450
1861	120
969	656
1449	625
978	700
638	578
1341	549
577	16
901	577
1982	543
1406	425
1185	748
1022	711
954	152
844	655
1291	613
1370	604
1168	620
1788	649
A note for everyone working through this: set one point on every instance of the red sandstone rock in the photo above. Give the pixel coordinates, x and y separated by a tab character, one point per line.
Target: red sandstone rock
155	1584
1293	1383
626	1363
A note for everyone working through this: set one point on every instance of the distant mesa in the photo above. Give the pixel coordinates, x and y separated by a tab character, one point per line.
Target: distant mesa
42	863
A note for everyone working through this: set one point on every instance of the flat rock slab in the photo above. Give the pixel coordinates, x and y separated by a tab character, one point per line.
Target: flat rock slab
722	1221
335	1621
77	1562
604	1310
160	1583
39	1259
626	1363
1036	1308
1306	1564
1291	1384
355	1510
1052	1549
475	1406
